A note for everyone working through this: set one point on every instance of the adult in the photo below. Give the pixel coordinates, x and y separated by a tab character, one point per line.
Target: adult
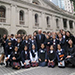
40	38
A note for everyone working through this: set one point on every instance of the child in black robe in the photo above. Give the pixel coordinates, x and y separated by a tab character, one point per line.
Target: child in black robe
51	57
15	57
25	56
42	56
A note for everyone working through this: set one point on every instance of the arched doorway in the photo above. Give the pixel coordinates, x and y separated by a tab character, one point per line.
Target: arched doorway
21	32
3	31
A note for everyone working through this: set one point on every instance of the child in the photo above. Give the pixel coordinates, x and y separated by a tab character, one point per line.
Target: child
51	57
18	44
9	49
27	43
48	43
15	57
25	57
42	56
60	56
34	56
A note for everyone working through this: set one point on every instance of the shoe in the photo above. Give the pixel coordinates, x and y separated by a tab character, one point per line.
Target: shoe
2	64
6	66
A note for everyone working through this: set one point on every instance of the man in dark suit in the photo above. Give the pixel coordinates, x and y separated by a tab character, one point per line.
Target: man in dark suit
40	38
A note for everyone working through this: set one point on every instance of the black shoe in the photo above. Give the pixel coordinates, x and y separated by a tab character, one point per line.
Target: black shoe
6	66
2	64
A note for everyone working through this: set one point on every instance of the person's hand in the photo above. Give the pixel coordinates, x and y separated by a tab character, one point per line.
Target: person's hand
45	60
49	61
4	41
61	59
68	56
39	59
29	61
14	58
48	43
7	58
60	63
24	63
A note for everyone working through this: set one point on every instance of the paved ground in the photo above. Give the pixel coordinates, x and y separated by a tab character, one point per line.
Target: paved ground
38	71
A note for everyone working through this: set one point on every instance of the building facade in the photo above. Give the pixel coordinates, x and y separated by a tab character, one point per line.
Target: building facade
27	16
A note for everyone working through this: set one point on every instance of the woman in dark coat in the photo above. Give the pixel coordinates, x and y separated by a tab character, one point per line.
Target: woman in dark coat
51	57
25	57
42	56
48	43
15	57
62	41
70	36
70	53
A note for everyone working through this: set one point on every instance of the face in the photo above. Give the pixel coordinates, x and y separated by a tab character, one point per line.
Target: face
53	36
16	49
42	45
59	47
18	40
47	37
4	36
70	42
26	37
67	33
39	31
9	43
32	38
63	33
59	35
51	48
16	36
33	47
34	34
25	48
9	37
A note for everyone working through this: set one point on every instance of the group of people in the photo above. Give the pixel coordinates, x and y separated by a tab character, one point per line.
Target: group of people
40	49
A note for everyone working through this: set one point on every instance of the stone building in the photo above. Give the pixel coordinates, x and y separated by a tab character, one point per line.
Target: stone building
27	16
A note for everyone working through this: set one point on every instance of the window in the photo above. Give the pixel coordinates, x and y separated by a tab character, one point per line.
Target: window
48	21
21	15
57	23
36	19
36	2
21	18
65	23
2	12
71	24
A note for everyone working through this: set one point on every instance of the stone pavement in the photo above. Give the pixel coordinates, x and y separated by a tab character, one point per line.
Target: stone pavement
38	71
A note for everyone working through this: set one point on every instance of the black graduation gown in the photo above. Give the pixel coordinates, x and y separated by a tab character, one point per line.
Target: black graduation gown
71	52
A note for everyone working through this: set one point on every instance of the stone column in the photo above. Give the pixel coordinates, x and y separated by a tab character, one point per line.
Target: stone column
61	23
53	23
18	16
30	31
8	10
13	19
68	27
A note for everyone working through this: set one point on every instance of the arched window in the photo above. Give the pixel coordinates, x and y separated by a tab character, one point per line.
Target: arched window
2	11
21	15
21	18
2	14
36	19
